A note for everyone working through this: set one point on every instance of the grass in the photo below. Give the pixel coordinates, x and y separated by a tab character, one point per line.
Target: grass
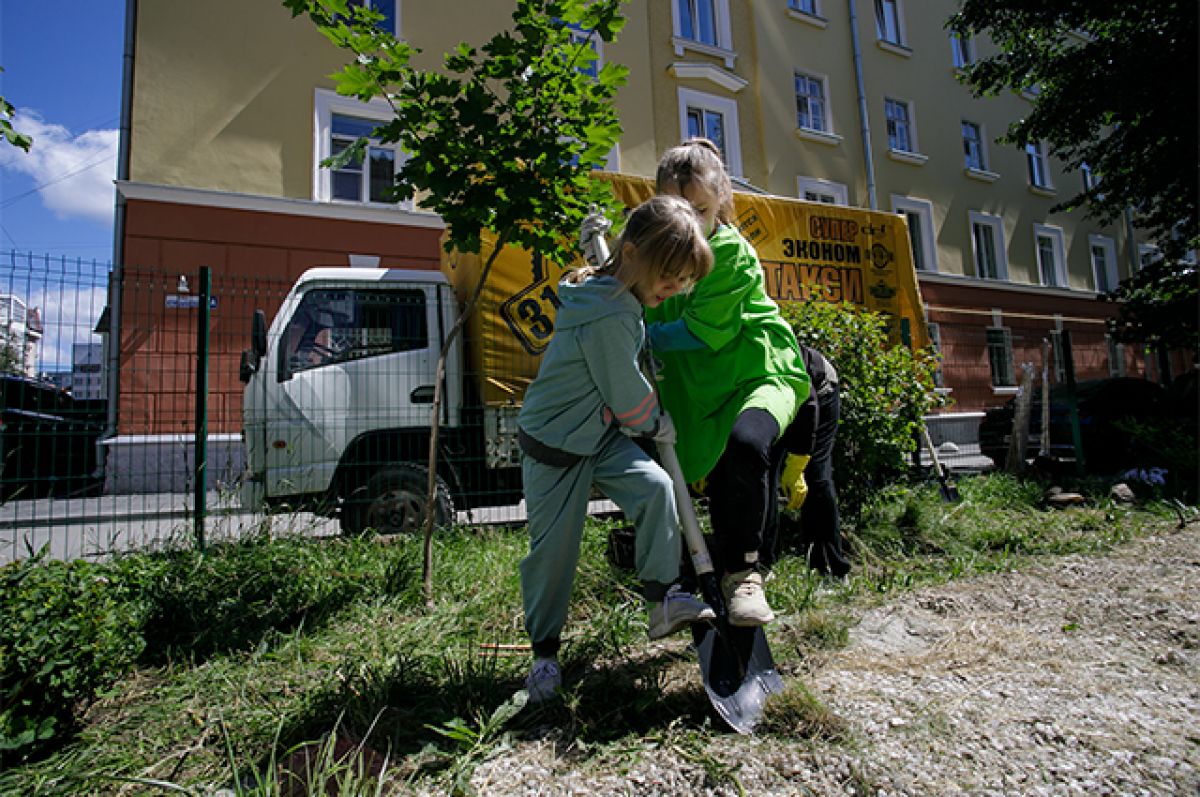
364	689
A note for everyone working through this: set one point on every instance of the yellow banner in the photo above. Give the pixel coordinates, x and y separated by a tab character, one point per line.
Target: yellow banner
809	252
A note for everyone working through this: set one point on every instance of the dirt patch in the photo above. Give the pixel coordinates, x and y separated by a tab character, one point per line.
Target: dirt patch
1077	676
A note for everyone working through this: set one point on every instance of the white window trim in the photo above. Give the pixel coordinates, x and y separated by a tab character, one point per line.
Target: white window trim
997	223
924	209
815	18
968	47
1039	148
1010	367
901	44
984	155
913	155
824	81
326	103
694	70
817	185
689	98
1110	258
724	48
1056	235
1147	254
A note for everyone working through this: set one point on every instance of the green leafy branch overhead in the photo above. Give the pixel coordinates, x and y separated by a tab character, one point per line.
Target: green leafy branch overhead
505	135
7	112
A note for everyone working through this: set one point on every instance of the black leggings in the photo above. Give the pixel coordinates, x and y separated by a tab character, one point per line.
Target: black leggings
742	490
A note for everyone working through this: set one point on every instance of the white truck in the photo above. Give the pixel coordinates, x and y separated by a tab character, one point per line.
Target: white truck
336	408
337	403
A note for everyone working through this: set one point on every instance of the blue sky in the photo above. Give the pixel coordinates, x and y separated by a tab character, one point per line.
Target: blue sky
62	71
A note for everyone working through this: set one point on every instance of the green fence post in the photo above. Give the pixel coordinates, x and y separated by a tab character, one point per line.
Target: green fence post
203	317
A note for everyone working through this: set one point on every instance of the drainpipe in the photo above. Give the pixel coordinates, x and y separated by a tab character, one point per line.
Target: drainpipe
862	105
112	367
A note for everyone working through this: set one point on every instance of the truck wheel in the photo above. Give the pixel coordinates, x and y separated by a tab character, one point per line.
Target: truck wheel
393	502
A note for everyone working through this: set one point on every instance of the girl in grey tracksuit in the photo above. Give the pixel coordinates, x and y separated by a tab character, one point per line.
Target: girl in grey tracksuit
578	416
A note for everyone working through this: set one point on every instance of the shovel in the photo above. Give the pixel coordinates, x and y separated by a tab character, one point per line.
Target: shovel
949	491
735	663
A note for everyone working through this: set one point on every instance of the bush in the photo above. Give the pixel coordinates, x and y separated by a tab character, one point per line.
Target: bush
66	634
885	390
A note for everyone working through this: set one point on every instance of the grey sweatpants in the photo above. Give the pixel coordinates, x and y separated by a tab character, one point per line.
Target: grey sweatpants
556	502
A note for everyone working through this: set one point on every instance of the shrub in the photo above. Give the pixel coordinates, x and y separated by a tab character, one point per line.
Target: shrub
66	634
885	390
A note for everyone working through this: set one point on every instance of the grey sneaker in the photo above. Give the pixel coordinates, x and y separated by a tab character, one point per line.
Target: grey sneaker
676	610
745	599
544	680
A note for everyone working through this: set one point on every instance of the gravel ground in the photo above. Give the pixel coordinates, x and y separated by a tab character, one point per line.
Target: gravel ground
1079	676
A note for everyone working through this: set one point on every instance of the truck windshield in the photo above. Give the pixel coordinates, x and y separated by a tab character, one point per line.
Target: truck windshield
338	325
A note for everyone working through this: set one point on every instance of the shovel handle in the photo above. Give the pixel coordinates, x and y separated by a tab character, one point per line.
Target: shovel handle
687	512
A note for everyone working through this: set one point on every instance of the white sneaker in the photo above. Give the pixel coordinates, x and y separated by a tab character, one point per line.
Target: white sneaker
544	680
745	599
676	610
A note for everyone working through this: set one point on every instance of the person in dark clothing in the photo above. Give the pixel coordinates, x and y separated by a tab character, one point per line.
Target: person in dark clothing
807	472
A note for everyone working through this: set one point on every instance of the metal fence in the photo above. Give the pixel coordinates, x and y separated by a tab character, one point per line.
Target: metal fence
160	466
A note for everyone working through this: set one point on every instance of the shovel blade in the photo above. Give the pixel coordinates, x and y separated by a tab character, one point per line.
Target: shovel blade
738	672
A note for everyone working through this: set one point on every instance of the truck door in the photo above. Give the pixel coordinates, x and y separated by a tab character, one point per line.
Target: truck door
351	361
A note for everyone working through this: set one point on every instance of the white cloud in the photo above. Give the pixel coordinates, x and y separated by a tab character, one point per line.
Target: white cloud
69	314
73	173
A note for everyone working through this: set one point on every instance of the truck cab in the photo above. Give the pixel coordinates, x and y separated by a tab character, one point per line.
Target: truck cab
339	394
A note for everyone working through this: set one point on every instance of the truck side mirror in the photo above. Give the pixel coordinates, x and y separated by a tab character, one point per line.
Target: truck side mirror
249	366
258	334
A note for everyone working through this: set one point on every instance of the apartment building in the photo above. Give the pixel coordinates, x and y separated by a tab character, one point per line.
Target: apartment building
854	102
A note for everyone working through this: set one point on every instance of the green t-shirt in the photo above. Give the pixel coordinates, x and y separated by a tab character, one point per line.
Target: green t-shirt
750	357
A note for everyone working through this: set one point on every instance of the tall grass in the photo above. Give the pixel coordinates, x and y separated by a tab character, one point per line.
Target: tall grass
354	682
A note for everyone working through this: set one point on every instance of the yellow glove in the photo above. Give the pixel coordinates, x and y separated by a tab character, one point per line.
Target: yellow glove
792	481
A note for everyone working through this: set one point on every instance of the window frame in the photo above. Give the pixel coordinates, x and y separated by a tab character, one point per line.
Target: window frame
1058	250
897	19
910	123
723	32
798	5
981	144
923	209
1109	246
1116	356
962	50
822	81
838	191
996	223
1000	356
1036	160
326	105
690	98
395	4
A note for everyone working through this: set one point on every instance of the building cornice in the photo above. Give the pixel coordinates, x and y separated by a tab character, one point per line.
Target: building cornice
1009	287
204	197
695	70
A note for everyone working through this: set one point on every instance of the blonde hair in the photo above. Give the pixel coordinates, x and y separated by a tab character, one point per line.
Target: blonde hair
668	242
697	160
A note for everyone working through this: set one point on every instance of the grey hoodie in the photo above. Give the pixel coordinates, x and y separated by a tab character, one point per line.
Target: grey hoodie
589	378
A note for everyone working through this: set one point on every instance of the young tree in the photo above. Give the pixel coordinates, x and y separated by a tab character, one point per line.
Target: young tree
1116	92
502	139
7	111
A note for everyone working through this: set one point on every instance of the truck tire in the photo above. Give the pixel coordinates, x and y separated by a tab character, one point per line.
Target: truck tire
393	502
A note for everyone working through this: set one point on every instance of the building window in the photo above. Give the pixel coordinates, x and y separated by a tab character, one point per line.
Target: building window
804	6
1000	356
1116	356
919	215
339	122
962	50
1039	171
812	189
899	126
987	243
935	341
889	21
1104	262
703	25
1058	355
390	10
973	146
714	118
1148	255
1050	249
811	113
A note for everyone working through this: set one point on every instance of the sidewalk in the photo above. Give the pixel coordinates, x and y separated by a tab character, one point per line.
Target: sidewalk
96	528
